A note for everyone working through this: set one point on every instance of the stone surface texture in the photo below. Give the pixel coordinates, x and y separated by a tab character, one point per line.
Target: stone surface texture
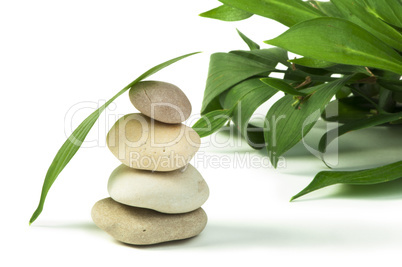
161	101
142	143
138	226
177	191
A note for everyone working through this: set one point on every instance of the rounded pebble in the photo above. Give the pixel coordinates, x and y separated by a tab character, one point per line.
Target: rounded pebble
161	101
138	226
177	191
142	143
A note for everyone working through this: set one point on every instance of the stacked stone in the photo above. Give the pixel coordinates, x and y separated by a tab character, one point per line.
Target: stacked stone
155	195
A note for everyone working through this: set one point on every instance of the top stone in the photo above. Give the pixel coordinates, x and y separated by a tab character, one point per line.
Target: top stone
160	101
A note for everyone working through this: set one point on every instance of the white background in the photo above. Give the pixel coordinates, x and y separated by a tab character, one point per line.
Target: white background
56	54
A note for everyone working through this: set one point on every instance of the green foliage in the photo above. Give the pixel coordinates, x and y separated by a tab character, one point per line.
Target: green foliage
228	69
378	175
212	121
287	12
286	123
330	40
226	13
74	142
358	40
251	44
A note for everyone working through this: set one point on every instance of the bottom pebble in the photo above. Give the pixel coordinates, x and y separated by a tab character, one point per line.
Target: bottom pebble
139	226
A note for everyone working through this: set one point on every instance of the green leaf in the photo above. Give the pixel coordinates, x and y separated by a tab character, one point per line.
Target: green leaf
287	12
285	125
312	63
330	39
212	122
226	13
270	57
73	143
252	45
331	135
385	101
247	96
327	8
389	11
228	69
364	177
355	11
390	85
280	85
255	136
348	110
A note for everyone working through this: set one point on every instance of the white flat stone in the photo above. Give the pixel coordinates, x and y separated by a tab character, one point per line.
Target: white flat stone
177	191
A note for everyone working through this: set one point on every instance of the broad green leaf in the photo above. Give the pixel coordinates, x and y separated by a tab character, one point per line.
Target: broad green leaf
247	96
347	69
327	8
300	74
364	177
354	11
270	57
226	13
330	39
280	85
385	101
390	85
251	44
343	93
212	122
331	135
255	136
348	109
312	63
287	12
228	69
286	124
389	11
74	142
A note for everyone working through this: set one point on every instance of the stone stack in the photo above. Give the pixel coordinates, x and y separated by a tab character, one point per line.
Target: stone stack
155	195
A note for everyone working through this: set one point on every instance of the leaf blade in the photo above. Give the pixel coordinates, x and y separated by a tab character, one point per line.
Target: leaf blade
212	122
377	175
329	36
247	96
355	11
226	13
280	85
296	123
251	44
287	12
228	69
331	135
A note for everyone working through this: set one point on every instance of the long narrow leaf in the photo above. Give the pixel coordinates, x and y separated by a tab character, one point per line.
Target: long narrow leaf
331	135
73	143
247	96
251	44
330	40
327	8
389	11
228	69
286	124
226	13
287	12
212	121
365	177
280	85
354	11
